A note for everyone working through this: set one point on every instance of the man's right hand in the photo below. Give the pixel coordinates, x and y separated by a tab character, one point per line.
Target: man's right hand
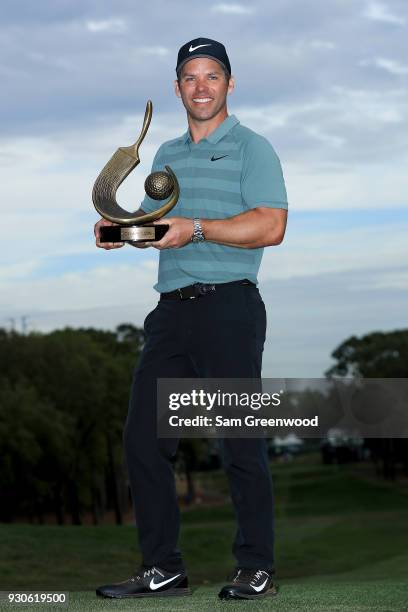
113	245
97	232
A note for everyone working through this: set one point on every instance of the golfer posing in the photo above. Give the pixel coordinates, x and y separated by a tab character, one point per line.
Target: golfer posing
209	323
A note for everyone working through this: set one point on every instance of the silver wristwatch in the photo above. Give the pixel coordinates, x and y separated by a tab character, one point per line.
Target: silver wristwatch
198	234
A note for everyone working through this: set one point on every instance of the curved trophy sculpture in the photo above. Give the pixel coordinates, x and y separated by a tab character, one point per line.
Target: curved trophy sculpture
133	227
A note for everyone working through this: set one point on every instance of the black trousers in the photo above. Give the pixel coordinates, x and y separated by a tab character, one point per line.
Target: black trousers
218	335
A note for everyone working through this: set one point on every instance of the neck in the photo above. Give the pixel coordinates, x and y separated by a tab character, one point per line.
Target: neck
202	129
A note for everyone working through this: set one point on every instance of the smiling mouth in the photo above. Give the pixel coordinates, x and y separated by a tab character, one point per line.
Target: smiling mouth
202	100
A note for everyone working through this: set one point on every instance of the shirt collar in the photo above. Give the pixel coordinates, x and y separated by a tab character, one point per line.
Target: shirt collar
218	133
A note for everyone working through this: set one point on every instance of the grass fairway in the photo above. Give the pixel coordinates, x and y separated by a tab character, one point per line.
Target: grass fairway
342	544
380	597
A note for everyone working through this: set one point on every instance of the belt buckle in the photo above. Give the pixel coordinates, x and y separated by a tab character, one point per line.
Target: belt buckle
182	296
203	288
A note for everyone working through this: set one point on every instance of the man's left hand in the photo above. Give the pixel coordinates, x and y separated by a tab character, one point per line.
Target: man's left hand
179	233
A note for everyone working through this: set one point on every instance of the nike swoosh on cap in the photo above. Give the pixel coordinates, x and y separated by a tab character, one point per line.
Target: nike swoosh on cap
259	588
215	158
191	49
156	585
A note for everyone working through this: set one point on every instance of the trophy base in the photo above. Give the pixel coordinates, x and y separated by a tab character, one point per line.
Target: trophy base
132	233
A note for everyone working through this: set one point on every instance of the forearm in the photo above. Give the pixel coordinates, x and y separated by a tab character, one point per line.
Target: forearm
252	229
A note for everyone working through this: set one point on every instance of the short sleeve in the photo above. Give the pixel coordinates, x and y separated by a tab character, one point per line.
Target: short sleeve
262	182
148	204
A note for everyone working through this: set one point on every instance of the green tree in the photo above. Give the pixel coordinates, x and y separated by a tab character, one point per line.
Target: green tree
377	355
31	432
80	380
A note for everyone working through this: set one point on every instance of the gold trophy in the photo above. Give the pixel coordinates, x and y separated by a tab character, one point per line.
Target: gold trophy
133	227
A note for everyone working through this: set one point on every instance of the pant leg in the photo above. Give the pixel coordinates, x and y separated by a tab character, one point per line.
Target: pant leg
150	459
245	462
229	342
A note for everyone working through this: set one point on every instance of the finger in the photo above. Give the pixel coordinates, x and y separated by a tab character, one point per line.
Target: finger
97	227
108	246
163	222
160	244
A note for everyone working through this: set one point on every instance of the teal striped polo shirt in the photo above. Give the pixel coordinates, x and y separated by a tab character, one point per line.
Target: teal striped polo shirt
230	171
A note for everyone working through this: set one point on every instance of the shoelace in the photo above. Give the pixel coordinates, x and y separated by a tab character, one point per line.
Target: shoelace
248	576
257	576
145	573
151	571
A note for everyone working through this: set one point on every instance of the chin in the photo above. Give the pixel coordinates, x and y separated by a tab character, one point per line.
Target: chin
203	114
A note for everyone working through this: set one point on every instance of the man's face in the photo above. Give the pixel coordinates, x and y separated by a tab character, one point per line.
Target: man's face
203	88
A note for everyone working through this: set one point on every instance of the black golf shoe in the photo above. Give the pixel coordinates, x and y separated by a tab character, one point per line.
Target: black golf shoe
249	584
148	582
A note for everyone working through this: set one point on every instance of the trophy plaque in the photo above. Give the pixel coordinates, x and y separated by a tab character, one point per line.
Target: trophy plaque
136	226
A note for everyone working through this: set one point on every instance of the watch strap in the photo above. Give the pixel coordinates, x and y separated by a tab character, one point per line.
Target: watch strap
198	234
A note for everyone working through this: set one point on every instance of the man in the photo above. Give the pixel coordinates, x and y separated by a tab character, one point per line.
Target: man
209	323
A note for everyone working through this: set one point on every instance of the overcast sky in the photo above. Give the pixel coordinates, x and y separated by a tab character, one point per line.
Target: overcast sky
325	81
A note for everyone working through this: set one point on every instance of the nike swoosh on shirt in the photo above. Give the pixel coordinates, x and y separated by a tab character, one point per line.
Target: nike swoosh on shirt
156	585
198	46
259	588
215	158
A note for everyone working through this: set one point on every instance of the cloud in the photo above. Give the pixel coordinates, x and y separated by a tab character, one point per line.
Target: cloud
18	271
232	9
329	135
336	114
107	285
158	51
307	317
391	66
357	248
115	24
322	44
332	140
378	11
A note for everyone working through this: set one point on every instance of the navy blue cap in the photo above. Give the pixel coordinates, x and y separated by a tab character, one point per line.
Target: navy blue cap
203	47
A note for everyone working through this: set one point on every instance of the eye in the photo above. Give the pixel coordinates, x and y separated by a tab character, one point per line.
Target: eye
213	77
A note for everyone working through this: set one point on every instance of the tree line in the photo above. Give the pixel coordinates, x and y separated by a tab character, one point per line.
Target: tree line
63	404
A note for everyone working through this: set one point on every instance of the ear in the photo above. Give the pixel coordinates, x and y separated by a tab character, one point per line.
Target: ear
177	89
231	85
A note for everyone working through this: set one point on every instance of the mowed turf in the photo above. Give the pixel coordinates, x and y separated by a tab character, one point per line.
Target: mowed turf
342	544
361	597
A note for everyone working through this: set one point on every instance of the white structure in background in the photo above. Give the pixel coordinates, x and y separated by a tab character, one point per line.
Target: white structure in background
287	446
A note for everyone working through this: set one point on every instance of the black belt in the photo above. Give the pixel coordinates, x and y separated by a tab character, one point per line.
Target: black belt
199	289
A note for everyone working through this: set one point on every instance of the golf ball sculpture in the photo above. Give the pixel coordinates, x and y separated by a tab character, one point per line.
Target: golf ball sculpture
159	185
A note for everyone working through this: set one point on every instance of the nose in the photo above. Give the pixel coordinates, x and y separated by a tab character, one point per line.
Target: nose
201	85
